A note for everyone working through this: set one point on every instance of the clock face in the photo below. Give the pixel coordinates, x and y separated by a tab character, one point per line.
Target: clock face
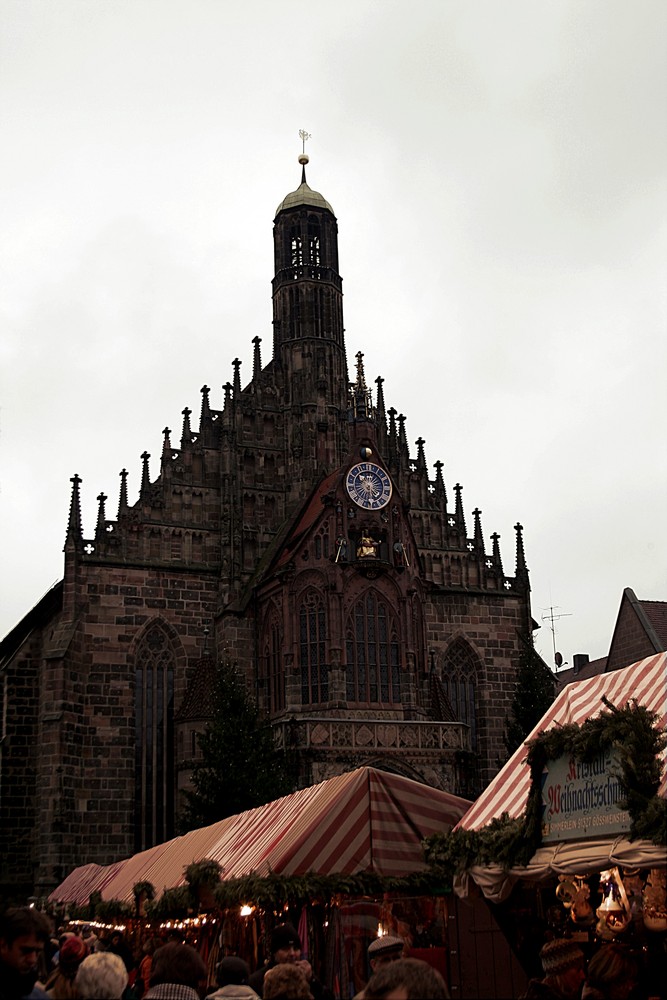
368	485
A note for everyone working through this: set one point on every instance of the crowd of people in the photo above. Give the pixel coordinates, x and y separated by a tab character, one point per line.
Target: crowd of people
79	966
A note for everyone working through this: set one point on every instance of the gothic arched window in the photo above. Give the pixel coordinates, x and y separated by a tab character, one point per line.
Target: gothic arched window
272	665
459	676
154	739
372	649
312	650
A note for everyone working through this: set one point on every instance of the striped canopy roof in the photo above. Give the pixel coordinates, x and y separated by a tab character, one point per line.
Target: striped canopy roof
645	682
363	821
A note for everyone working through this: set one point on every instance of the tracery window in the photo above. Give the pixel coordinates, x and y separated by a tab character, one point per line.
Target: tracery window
272	665
154	739
372	649
459	677
312	650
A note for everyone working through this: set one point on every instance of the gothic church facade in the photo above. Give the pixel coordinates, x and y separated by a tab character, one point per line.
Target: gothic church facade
294	525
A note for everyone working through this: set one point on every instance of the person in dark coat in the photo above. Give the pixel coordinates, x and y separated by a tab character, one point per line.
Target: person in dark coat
563	964
286	949
118	946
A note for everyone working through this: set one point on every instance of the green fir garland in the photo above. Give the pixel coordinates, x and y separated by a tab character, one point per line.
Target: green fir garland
629	731
270	891
113	909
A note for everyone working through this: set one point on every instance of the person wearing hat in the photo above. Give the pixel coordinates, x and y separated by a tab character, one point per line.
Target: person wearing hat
286	949
232	975
563	964
61	983
382	951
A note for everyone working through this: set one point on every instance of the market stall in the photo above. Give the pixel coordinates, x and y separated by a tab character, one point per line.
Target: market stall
342	860
578	816
643	683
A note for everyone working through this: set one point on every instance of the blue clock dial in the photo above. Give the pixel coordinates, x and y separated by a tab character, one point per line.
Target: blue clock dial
368	486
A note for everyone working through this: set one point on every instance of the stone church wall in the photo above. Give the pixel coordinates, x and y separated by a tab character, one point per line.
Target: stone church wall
491	626
87	707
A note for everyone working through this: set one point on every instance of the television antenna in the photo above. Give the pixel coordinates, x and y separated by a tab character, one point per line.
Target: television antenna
552	617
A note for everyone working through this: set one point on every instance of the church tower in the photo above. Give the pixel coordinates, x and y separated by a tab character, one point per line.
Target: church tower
308	337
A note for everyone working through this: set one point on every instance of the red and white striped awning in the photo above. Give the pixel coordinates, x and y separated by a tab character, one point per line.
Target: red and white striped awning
363	821
644	682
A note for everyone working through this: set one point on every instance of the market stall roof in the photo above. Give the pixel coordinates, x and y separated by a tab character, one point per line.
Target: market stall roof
362	821
644	682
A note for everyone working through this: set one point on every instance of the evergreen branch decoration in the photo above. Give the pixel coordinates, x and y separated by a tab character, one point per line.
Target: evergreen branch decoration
205	873
109	909
631	733
312	887
270	891
146	889
173	904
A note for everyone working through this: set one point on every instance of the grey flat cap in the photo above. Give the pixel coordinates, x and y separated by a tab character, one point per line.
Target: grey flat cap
386	945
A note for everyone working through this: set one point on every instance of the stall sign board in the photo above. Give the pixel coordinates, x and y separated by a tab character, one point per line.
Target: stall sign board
581	798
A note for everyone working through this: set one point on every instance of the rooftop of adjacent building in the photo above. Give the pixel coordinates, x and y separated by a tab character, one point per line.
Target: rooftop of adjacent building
652	619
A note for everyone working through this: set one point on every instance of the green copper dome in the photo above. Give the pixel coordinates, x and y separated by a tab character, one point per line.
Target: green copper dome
304	196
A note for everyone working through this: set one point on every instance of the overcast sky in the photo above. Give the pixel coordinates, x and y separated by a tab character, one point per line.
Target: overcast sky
497	171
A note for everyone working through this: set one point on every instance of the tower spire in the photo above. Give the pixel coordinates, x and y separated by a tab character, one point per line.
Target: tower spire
100	527
228	394
392	448
421	457
236	364
74	531
458	510
123	505
186	433
521	568
440	491
403	450
205	414
145	477
479	538
381	412
165	461
256	359
361	402
497	561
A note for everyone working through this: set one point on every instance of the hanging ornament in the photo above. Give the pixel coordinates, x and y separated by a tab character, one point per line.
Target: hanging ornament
614	910
634	885
566	891
655	900
581	911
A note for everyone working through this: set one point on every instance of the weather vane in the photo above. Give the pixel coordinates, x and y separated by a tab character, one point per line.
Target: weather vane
304	136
